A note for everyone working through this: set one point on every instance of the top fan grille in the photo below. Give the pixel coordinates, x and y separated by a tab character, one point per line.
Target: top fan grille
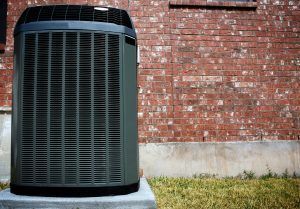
75	12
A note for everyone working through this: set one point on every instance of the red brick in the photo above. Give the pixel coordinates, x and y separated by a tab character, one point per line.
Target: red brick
205	74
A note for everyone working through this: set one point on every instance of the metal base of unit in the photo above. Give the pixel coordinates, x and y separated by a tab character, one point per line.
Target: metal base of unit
74	191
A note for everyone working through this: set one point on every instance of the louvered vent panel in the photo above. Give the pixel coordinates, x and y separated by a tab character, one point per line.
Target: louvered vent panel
85	148
114	16
46	13
87	13
100	16
71	86
56	82
41	108
100	143
27	155
71	109
33	14
114	108
59	12
75	12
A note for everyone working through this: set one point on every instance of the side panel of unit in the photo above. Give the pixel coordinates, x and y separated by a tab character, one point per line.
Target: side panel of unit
130	109
16	106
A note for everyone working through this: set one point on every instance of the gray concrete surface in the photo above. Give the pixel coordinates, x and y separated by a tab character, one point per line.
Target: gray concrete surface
5	132
222	159
143	199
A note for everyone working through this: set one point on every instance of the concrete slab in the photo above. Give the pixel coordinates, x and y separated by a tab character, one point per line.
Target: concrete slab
143	199
185	159
5	132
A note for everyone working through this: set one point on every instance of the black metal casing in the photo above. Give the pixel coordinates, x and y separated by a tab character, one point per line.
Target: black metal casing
74	121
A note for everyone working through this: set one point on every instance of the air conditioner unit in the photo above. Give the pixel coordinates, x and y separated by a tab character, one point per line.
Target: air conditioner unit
74	121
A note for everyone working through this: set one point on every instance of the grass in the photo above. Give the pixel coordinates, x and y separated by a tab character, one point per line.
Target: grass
198	192
3	186
209	192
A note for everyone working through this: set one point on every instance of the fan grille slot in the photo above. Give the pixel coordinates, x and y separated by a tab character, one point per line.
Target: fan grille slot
76	13
71	120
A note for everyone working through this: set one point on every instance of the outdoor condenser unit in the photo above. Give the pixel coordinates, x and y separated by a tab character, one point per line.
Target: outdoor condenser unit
74	129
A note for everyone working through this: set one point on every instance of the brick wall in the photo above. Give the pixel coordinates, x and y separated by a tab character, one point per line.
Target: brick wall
210	71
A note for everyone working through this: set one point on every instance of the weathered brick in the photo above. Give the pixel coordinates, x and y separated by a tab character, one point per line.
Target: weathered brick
205	74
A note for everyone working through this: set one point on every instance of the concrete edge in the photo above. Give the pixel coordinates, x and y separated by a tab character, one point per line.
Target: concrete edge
223	159
144	198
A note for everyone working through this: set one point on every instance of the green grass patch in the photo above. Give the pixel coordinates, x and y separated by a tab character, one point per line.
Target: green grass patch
188	193
207	192
3	186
